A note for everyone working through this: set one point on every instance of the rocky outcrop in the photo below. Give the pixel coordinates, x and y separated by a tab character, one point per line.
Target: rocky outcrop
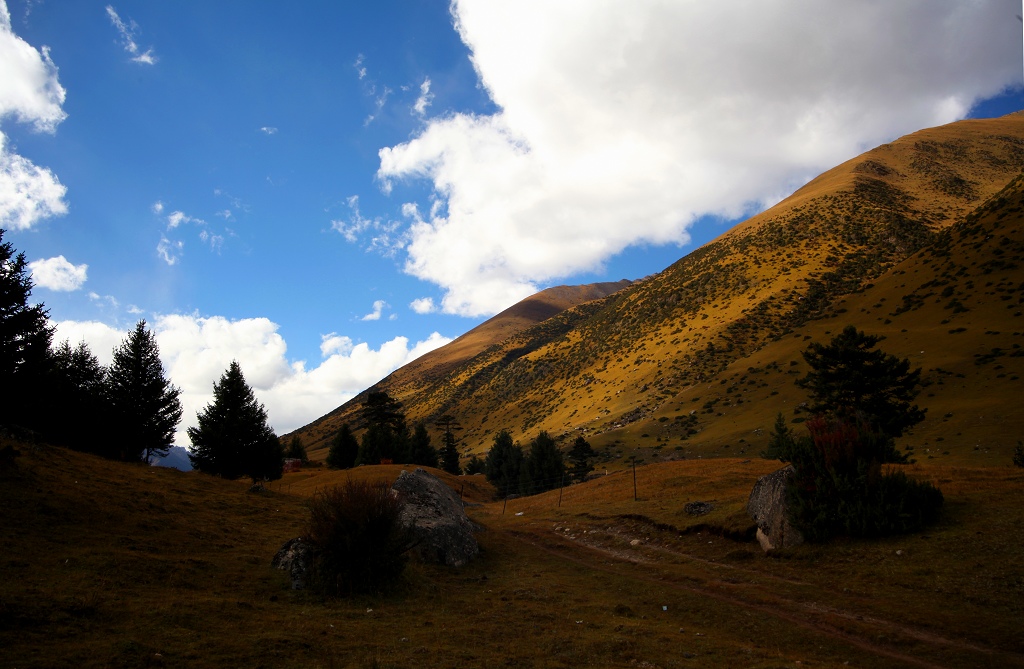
437	518
295	557
767	506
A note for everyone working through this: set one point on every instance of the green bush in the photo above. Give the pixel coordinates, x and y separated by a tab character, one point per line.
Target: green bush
839	487
359	539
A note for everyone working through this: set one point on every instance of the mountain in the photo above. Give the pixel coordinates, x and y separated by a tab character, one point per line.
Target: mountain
699	358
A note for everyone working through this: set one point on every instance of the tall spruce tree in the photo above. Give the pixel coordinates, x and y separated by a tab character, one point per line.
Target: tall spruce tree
579	456
145	408
450	449
78	394
25	336
232	438
344	449
503	464
544	467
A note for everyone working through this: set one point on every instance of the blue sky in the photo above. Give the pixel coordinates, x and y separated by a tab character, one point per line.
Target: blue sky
324	190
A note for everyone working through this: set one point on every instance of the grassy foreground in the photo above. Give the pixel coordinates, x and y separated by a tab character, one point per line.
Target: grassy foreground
112	565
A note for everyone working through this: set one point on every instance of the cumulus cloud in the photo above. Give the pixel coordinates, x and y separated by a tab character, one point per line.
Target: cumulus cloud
425	98
58	274
196	351
268	130
127	33
378	309
30	92
423	305
625	127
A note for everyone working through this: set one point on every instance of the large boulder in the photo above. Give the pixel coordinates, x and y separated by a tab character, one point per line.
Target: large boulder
296	557
767	506
437	518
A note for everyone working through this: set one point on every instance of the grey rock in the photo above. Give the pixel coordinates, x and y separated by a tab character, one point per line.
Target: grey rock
767	506
296	557
437	518
698	508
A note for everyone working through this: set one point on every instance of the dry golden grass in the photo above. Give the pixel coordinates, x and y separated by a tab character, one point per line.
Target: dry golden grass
112	565
720	332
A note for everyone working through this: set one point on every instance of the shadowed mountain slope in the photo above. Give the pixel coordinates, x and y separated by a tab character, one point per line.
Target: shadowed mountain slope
661	366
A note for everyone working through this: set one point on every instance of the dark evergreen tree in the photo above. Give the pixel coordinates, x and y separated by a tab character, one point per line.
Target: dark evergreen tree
1018	455
544	468
232	438
144	405
503	464
420	450
25	336
779	441
387	436
344	449
579	457
475	465
450	450
850	381
78	395
296	449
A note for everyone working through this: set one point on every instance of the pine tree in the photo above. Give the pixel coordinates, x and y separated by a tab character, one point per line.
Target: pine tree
297	450
25	336
232	438
544	468
344	449
144	405
450	450
780	441
579	456
420	450
78	395
852	382
503	464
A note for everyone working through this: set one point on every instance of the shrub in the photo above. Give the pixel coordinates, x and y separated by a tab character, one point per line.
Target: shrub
359	538
839	487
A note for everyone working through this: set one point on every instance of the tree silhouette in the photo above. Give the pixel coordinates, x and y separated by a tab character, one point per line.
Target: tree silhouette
232	438
503	464
449	451
25	336
344	449
144	405
579	456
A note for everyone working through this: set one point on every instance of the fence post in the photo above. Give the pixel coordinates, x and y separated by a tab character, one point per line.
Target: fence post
634	478
560	486
504	505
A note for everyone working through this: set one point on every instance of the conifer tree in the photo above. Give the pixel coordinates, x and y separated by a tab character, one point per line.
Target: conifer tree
297	450
25	336
232	438
780	441
144	405
579	456
450	450
344	449
420	450
503	464
543	468
78	394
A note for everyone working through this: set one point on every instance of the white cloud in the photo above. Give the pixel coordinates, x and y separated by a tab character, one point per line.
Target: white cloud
30	93
423	305
197	350
176	218
158	207
58	274
127	32
170	251
425	98
360	68
384	237
268	130
624	128
378	309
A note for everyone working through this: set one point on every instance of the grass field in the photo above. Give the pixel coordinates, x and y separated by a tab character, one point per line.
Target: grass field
112	565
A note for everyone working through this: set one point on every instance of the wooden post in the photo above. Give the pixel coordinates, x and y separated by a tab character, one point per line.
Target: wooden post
634	478
504	505
560	486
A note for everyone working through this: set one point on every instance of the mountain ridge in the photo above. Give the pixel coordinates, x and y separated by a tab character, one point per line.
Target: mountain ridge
619	367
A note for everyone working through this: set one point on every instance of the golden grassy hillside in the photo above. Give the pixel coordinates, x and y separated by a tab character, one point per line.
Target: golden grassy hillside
698	359
114	565
426	371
